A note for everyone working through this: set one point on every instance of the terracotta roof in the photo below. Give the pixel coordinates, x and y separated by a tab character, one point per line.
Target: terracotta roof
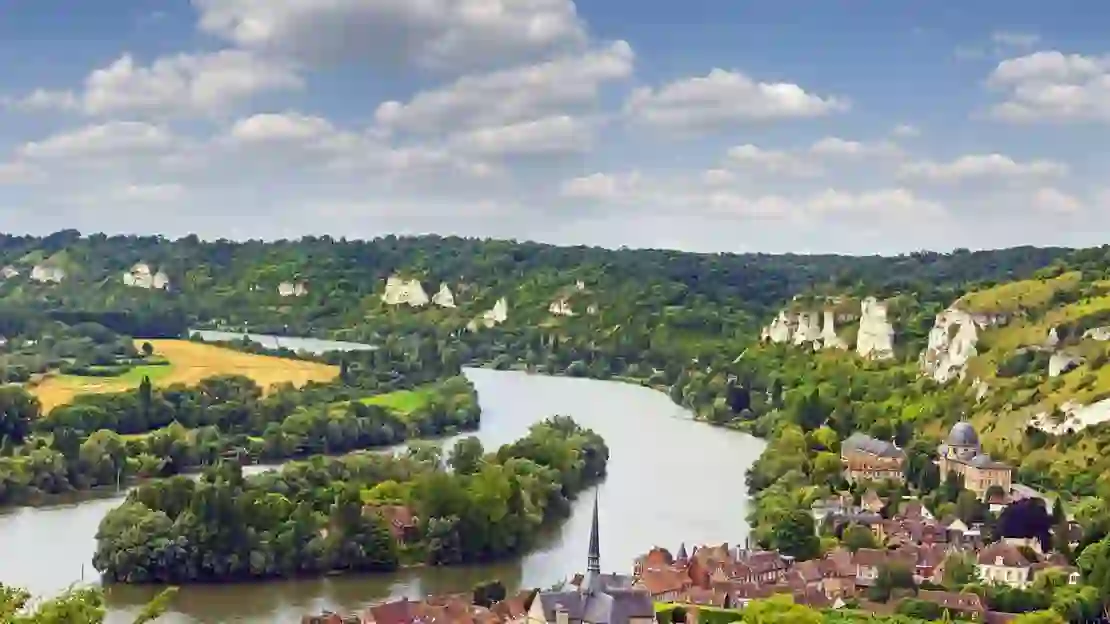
809	571
656	557
954	601
869	557
1003	554
701	596
513	607
661	581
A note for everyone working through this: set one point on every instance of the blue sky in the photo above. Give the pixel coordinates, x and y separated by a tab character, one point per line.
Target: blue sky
807	126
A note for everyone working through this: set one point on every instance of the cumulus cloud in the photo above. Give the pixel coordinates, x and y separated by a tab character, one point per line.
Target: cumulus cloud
150	193
1015	39
108	140
906	131
179	85
841	148
1052	86
13	173
438	34
778	162
511	95
725	98
980	167
559	134
1055	201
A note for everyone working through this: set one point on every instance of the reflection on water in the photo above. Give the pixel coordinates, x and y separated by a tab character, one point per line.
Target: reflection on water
670	480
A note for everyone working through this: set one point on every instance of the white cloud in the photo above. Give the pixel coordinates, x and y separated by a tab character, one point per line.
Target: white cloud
883	203
559	134
184	84
978	167
906	131
17	173
150	193
842	148
278	127
511	95
722	99
454	34
112	139
601	186
1052	86
1055	201
770	161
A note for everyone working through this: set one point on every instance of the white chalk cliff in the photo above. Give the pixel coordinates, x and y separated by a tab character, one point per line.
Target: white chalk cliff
829	339
779	330
141	276
948	351
875	340
47	273
399	291
291	289
496	315
1076	417
1052	340
1062	362
561	308
807	330
8	272
1101	334
444	298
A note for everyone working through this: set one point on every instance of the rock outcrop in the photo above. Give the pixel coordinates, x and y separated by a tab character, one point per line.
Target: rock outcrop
1052	340
875	340
1062	362
399	291
1101	334
1072	417
952	342
592	309
779	330
829	339
561	307
292	289
444	298
47	274
8	272
496	315
807	331
141	276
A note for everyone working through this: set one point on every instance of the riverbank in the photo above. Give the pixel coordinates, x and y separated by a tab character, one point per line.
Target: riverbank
655	447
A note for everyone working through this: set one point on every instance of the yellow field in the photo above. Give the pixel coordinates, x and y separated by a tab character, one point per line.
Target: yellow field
189	363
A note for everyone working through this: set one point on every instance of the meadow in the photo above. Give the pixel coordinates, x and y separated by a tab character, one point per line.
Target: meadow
188	363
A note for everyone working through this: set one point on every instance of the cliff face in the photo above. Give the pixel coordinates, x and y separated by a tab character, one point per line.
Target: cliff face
876	335
400	291
829	339
444	298
952	342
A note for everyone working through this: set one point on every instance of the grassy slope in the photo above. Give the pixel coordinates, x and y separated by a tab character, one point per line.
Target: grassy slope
189	363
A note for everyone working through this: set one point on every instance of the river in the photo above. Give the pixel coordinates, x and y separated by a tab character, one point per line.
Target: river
671	480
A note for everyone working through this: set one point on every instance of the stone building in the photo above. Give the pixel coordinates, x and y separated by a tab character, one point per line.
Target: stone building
867	459
961	454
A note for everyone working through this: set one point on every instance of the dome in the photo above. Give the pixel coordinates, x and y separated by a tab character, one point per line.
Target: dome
963	434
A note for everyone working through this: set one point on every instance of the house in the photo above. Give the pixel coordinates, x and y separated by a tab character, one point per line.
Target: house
597	600
871	501
291	289
961	454
1002	562
962	605
866	459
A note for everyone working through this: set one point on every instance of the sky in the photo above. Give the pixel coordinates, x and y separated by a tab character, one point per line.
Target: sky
808	126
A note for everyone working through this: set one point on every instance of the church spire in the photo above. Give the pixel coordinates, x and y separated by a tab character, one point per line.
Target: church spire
593	560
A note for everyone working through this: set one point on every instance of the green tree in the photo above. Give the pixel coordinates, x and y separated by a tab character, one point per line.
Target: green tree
466	456
796	536
780	609
18	409
857	536
1040	617
959	570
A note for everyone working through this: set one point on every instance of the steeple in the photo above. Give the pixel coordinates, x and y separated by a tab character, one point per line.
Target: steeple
593	559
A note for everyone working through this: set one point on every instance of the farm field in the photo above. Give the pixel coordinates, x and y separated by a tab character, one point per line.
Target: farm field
189	363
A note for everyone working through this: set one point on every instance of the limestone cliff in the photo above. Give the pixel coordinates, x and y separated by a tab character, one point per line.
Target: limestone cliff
399	291
47	273
141	276
875	340
829	339
1101	334
8	272
808	330
496	315
444	298
1062	362
779	330
291	289
952	342
561	307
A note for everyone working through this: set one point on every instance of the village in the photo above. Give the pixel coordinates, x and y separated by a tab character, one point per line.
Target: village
714	577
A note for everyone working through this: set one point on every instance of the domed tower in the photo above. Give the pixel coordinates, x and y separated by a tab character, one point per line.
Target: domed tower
962	443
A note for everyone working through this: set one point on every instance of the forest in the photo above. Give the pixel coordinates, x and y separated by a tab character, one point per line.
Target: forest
317	516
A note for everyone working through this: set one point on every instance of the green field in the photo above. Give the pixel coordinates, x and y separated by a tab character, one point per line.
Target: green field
403	402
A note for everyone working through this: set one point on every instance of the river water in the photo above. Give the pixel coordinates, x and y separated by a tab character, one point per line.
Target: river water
671	480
